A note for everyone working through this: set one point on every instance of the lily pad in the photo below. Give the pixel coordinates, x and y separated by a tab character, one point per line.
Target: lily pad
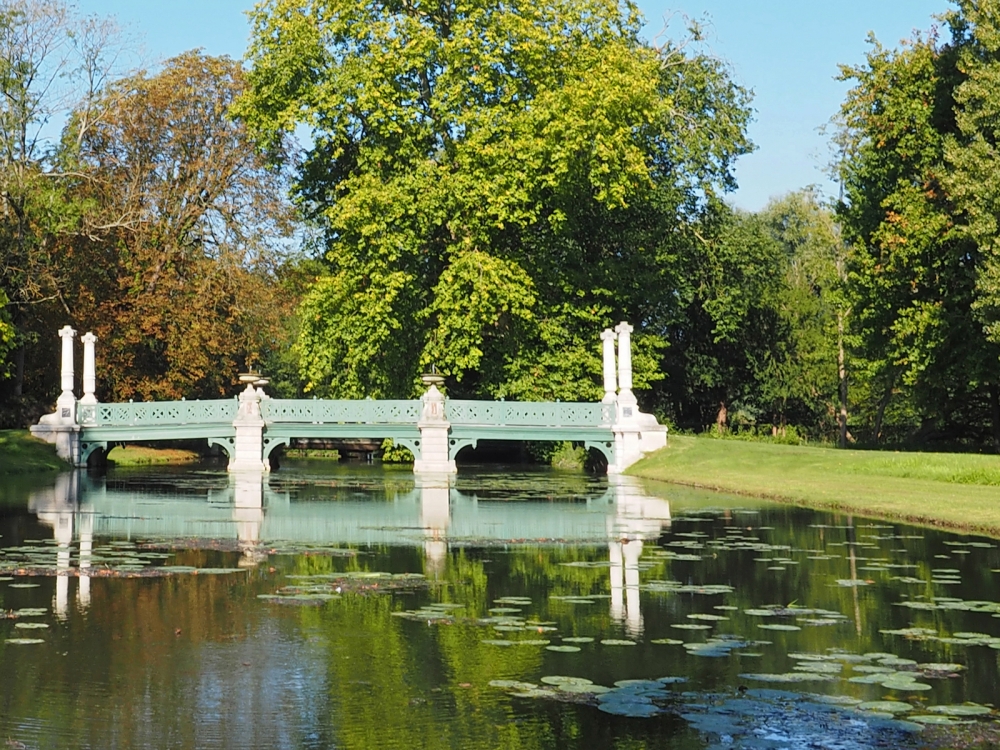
23	641
890	707
563	649
666	642
961	709
690	626
578	639
31	625
616	642
777	626
557	679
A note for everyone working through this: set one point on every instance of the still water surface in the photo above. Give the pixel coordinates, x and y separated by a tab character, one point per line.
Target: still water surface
352	607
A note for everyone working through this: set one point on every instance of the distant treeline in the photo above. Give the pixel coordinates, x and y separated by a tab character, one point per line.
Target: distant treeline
484	189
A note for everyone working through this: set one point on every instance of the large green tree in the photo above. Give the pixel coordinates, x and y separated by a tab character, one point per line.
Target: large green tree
495	183
916	215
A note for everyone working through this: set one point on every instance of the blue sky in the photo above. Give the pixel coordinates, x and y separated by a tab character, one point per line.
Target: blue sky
787	51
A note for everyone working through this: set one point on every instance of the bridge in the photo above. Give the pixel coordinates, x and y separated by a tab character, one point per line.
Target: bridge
250	427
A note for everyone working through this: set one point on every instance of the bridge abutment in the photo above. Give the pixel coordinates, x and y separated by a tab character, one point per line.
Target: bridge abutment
435	455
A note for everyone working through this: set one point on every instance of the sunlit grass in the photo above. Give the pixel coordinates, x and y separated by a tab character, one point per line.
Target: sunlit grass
20	453
139	455
957	490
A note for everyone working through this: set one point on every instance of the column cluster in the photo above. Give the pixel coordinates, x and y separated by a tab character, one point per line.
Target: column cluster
618	391
66	403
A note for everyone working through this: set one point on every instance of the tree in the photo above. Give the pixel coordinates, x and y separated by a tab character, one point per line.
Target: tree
915	270
495	184
182	234
51	61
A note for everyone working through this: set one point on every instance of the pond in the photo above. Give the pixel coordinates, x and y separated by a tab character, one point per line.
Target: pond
359	607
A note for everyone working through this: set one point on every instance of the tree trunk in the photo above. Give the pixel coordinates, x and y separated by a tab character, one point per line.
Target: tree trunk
842	373
19	372
880	414
995	404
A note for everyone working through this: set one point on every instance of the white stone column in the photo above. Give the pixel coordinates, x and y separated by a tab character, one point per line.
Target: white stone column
248	448
610	381
66	403
89	369
626	398
434	429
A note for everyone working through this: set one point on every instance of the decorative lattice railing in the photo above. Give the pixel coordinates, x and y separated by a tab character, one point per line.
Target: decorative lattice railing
529	413
321	411
141	413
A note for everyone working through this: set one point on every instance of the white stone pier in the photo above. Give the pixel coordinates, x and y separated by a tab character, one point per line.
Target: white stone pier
60	427
434	433
636	433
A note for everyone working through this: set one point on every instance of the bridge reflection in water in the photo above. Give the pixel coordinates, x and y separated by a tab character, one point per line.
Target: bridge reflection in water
428	511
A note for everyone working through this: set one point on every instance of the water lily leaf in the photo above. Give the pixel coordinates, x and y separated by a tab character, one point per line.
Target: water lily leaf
634	710
499	642
712	618
534	642
667	642
616	642
690	626
563	649
557	679
31	625
937	719
889	707
777	626
578	639
24	586
513	684
23	641
961	709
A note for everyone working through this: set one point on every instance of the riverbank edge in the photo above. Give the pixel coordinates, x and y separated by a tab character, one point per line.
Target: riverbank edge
21	453
858	498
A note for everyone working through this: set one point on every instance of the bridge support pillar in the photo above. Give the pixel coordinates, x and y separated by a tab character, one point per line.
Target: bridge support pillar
60	427
248	448
434	429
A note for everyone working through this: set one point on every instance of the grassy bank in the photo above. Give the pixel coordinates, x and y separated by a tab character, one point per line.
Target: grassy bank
138	455
20	453
959	491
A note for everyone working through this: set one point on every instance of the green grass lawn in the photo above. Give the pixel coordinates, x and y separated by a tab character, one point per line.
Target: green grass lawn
20	453
960	491
139	455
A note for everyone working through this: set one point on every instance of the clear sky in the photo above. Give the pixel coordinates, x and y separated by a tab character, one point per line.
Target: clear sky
786	51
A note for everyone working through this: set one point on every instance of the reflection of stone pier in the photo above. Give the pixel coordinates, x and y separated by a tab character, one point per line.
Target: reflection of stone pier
58	507
435	517
638	517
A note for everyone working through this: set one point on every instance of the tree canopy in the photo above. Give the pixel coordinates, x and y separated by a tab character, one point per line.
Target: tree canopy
918	211
494	184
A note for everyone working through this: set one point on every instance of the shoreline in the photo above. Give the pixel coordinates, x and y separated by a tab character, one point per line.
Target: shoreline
862	483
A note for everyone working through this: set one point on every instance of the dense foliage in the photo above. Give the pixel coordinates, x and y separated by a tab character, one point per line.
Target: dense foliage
495	184
483	189
919	212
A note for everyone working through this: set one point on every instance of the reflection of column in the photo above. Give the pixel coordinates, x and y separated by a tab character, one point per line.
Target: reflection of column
56	507
435	517
637	514
248	513
617	575
631	551
85	525
89	369
608	352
